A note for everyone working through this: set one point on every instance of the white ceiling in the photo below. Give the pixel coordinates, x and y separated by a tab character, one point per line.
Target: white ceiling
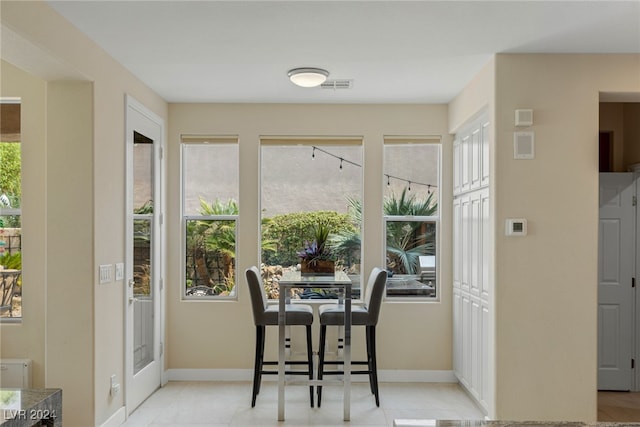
394	51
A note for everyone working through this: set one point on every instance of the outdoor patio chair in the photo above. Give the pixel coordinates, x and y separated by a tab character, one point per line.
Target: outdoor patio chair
267	315
361	315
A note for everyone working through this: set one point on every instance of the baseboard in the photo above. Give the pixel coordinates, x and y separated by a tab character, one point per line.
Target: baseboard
401	376
391	375
117	419
210	375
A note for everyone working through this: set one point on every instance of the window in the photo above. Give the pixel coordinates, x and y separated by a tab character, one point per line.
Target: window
210	194
309	186
411	217
10	210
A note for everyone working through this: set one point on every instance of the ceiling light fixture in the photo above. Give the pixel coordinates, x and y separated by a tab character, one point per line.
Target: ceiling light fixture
308	77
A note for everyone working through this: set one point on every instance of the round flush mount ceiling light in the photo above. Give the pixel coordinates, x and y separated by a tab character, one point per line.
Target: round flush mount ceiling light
308	77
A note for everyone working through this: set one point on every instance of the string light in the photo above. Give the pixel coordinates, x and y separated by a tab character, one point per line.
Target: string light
389	176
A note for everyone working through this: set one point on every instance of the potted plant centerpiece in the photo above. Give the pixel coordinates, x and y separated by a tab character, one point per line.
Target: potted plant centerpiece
316	257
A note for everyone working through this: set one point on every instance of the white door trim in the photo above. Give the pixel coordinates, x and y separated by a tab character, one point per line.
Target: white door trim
133	397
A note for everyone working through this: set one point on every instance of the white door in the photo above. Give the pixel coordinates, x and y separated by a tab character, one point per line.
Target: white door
616	265
143	267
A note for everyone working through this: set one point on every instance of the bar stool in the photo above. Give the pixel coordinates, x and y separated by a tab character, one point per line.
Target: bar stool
267	315
362	315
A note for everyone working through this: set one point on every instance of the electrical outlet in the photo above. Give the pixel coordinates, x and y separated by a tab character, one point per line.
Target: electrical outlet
105	274
120	271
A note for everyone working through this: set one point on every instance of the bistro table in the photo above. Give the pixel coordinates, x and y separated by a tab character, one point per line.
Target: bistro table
294	279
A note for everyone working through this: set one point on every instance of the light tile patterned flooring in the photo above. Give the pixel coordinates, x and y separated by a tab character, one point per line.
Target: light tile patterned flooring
229	404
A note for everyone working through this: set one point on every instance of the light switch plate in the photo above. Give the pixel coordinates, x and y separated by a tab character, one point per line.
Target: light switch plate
120	271
105	274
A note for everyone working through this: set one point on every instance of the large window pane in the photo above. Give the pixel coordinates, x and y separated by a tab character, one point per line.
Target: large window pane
210	259
210	172
412	169
143	243
411	248
410	208
307	187
210	213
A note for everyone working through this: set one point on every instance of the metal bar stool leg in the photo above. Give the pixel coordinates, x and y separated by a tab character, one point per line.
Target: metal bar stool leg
323	339
310	362
373	365
369	356
257	369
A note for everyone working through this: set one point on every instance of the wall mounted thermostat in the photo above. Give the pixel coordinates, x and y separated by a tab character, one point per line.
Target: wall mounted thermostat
516	227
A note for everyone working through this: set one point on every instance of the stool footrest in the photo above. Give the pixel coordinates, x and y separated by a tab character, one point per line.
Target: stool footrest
287	362
342	373
341	362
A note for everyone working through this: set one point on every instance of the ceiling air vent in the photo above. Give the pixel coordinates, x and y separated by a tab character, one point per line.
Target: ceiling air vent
337	84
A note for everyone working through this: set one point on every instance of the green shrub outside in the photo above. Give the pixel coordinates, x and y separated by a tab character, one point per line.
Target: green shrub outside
11	261
10	183
288	233
11	166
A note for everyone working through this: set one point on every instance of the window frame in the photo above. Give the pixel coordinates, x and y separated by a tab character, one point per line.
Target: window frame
4	211
213	141
436	219
321	144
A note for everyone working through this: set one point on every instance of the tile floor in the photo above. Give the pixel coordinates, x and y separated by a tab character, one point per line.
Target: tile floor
229	404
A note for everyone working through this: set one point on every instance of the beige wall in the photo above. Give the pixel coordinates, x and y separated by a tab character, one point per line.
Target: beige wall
426	327
32	90
478	95
69	290
85	339
545	357
546	283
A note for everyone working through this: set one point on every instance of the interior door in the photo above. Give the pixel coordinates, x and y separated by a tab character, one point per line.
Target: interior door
616	265
143	267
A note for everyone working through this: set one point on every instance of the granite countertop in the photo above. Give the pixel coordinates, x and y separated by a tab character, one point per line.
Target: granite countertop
25	406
